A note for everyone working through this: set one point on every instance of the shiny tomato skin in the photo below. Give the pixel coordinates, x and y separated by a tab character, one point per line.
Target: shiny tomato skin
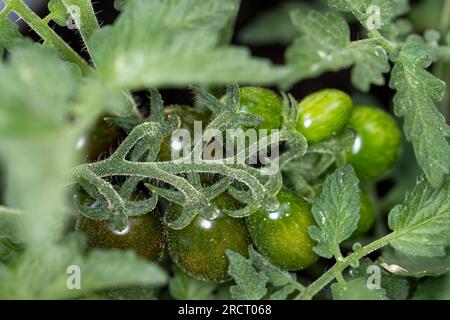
377	144
143	234
188	115
323	114
101	141
261	102
282	236
199	249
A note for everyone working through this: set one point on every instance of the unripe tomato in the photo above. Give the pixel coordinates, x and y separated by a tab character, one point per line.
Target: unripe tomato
261	102
143	234
323	114
199	248
187	116
102	140
173	145
377	143
282	235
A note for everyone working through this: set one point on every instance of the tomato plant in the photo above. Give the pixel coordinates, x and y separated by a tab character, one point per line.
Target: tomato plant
337	190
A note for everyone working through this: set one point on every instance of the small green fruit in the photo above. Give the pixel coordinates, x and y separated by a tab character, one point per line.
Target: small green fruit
323	114
282	235
377	143
143	234
199	249
261	102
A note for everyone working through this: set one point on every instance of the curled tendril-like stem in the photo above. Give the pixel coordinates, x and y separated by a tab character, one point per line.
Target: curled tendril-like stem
182	175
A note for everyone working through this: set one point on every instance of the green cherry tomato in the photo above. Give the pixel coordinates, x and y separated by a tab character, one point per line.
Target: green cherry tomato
172	144
377	143
143	234
323	114
282	236
187	116
102	140
261	102
199	248
366	216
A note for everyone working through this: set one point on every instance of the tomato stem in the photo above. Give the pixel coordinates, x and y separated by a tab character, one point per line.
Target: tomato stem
47	34
445	17
9	211
340	266
86	23
7	9
48	18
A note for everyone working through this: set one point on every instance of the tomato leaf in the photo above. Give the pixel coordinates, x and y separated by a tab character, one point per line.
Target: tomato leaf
99	270
8	249
324	45
336	211
275	275
250	284
409	266
421	224
434	289
283	282
356	290
362	9
9	34
119	4
396	287
283	293
173	43
127	293
184	287
49	83
417	92
59	12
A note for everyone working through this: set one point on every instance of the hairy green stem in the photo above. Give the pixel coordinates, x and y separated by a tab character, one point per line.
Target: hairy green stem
340	266
116	203
297	285
6	10
46	33
444	23
9	211
87	22
387	45
217	167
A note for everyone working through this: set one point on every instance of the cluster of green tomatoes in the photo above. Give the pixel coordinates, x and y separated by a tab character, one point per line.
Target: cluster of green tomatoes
282	235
